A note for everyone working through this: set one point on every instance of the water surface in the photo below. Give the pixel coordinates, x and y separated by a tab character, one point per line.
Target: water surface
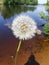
39	45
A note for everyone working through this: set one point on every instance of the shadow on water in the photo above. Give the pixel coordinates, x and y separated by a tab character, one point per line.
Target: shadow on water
32	61
10	10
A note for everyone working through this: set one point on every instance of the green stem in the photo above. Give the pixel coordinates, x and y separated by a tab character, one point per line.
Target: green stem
17	51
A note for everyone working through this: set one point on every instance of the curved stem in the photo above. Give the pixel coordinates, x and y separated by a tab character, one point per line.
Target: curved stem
17	51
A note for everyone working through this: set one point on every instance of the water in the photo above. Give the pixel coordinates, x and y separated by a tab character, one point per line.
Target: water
8	43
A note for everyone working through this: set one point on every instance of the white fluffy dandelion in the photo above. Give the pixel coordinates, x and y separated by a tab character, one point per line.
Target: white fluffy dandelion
24	27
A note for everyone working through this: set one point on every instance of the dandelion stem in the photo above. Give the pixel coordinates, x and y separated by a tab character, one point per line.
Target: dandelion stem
17	51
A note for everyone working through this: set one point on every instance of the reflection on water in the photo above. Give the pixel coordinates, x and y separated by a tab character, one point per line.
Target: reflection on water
39	45
9	11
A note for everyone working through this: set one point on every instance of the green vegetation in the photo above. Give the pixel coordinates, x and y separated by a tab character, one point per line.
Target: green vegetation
34	2
1	1
43	16
46	29
47	8
47	2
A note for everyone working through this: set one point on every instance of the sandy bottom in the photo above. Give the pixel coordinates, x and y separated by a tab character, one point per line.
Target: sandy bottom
39	46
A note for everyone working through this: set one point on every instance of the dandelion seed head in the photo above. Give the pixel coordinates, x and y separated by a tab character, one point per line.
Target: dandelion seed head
24	27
